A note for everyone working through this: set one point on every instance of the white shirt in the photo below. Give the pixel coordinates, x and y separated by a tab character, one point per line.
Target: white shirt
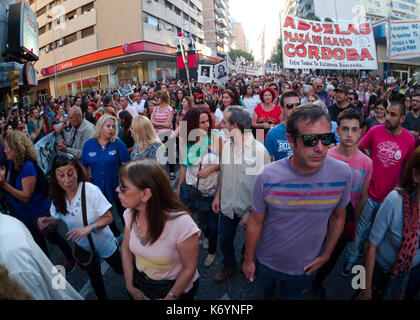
28	264
251	103
96	206
139	106
218	113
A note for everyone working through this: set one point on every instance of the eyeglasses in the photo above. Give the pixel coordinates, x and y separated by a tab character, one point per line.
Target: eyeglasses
350	99
311	140
290	106
319	86
122	187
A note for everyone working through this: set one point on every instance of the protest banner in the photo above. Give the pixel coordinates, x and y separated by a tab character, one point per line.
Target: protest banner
221	72
320	45
125	91
404	39
205	73
46	152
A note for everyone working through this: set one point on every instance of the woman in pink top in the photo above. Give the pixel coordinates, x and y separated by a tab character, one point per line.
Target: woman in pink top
163	113
162	116
160	246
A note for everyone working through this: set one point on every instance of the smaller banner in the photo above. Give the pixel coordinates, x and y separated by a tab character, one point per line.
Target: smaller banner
221	72
405	39
45	151
205	73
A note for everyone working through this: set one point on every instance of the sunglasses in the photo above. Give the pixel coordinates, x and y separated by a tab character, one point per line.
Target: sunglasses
311	140
63	156
350	99
290	106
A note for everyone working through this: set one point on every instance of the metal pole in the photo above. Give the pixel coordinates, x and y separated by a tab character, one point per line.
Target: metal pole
389	45
55	67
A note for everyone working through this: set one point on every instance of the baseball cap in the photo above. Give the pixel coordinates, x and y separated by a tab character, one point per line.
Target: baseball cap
341	87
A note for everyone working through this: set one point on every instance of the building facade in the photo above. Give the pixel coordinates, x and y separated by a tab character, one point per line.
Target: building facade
238	37
100	44
340	10
217	26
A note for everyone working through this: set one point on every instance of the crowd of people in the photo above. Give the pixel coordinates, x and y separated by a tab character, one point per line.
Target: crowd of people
311	166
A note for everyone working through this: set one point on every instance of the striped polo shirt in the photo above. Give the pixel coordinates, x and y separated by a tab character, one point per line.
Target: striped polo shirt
297	209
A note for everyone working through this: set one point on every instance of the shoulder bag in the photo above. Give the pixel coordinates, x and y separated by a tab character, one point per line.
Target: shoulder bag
88	261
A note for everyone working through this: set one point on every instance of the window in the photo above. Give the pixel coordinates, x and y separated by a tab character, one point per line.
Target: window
87	8
177	11
41	11
71	15
168	5
70	38
168	26
42	30
152	20
88	32
54	3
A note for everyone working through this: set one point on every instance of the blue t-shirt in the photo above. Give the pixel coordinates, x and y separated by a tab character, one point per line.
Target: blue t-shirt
37	205
104	164
387	232
277	144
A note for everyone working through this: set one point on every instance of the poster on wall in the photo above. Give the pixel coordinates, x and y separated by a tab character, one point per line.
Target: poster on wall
404	39
205	73
319	45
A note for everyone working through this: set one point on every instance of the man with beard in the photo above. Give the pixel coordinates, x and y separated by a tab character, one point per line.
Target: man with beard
341	104
412	121
392	148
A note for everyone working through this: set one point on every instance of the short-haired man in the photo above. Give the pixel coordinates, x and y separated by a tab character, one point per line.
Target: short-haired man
276	142
80	132
318	86
307	90
298	209
125	106
349	130
243	157
412	119
36	127
139	104
392	148
341	102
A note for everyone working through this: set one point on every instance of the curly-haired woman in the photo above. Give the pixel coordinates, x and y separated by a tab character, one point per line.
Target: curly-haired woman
28	187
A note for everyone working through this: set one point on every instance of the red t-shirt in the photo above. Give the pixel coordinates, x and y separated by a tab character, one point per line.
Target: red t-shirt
273	117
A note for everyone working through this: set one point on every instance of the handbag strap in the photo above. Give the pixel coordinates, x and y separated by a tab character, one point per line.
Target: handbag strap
84	214
118	154
198	178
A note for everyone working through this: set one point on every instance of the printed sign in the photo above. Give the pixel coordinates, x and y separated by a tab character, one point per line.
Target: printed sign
45	151
125	91
221	72
319	45
405	39
205	73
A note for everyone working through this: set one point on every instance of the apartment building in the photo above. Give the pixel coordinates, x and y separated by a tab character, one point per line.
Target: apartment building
217	26
238	37
98	44
345	10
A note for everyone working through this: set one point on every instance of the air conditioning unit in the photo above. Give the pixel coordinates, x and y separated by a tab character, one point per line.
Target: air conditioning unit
47	49
146	19
149	1
61	42
160	27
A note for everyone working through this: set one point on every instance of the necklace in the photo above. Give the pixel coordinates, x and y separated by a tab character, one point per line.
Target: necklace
143	240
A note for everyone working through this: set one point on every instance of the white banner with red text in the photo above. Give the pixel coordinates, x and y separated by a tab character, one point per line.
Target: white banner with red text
311	44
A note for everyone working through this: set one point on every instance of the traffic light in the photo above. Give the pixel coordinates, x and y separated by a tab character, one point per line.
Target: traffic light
14	82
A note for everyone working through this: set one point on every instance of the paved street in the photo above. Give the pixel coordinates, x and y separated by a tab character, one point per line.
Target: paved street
235	288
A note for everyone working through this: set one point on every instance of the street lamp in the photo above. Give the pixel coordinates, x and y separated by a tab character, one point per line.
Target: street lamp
55	67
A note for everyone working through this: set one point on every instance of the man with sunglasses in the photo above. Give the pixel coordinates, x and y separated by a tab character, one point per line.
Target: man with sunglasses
276	142
341	104
298	209
318	86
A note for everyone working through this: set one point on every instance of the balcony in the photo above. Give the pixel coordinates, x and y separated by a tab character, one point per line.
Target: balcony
221	32
220	3
221	22
220	12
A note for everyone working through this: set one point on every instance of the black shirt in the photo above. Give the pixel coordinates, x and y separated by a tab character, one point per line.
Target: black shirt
411	122
334	111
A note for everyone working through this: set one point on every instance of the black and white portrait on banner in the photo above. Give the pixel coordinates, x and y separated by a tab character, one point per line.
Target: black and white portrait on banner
221	72
205	73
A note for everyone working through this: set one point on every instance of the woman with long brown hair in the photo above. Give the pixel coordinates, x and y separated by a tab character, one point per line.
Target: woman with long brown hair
393	257
160	246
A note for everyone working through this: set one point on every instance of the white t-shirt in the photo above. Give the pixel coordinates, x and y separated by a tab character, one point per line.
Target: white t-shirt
251	103
28	265
218	113
96	206
139	106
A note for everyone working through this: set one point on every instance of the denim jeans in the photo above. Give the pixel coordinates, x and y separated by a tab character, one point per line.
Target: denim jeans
227	231
281	286
212	229
363	228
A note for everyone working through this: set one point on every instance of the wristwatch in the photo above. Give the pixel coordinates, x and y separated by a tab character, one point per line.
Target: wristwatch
95	227
173	296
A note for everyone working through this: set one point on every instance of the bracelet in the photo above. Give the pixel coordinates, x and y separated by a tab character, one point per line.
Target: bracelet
173	296
95	227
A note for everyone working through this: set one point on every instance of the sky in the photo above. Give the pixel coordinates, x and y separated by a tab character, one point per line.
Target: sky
254	16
